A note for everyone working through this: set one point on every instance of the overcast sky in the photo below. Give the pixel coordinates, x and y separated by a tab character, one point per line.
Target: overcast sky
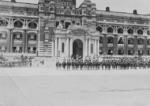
143	6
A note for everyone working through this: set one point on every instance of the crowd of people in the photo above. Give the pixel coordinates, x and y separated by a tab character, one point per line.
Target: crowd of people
102	63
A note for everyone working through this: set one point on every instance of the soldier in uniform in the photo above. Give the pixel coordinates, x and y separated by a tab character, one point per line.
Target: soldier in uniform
68	64
64	63
58	64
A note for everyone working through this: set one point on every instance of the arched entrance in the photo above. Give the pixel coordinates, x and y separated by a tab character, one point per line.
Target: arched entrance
77	48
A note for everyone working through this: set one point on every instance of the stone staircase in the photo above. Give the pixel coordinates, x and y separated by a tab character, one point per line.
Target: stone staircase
46	49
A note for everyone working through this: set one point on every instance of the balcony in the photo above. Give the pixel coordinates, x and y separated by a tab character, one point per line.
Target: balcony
16	41
140	46
3	40
110	44
130	45
32	41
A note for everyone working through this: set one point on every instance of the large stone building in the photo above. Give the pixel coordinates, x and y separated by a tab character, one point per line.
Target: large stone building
59	28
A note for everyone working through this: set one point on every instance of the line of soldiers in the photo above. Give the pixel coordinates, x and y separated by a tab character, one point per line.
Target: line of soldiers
123	63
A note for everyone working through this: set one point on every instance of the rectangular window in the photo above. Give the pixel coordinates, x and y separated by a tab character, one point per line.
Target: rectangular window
46	36
63	47
91	48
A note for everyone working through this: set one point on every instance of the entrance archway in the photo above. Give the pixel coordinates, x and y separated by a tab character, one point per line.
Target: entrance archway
77	48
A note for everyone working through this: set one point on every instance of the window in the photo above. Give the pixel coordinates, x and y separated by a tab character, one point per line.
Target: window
18	24
140	32
63	47
46	36
110	30
121	41
140	41
130	31
120	31
101	40
91	48
99	29
110	40
130	41
148	41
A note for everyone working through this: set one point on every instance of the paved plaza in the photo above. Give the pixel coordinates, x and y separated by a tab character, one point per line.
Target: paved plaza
48	87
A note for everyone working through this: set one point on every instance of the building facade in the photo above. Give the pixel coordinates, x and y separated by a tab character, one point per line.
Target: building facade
57	28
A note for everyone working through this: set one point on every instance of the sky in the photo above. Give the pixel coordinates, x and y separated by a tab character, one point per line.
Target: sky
142	6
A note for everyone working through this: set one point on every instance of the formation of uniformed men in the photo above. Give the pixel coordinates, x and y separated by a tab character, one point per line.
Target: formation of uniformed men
105	63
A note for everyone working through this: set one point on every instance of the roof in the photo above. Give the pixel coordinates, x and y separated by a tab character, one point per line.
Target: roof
122	14
19	4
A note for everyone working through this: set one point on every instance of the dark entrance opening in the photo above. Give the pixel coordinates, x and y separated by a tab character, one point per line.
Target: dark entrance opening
77	48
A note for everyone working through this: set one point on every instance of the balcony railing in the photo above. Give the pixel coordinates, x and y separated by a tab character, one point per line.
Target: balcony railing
32	41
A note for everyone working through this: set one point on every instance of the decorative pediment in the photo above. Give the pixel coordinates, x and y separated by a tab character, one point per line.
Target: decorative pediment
79	32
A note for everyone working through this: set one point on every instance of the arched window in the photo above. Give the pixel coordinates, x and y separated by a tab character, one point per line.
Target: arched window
92	48
67	12
110	40
140	32
63	47
32	25
120	31
109	30
130	31
130	41
99	29
17	36
140	41
101	39
18	24
121	40
148	41
3	35
32	37
148	32
3	23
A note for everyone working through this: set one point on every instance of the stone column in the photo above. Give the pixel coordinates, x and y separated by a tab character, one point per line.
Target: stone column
105	44
135	45
86	48
26	42
95	48
56	47
8	41
89	47
11	41
71	48
125	45
67	47
23	41
115	43
59	48
145	47
98	47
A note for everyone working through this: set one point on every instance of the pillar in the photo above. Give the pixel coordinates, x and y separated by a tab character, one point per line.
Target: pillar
23	42
11	41
105	44
89	47
55	47
67	47
115	43
86	48
135	45
95	48
26	42
71	48
125	45
145	46
8	41
59	47
98	47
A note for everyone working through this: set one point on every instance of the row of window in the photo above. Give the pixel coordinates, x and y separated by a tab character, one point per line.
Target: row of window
121	41
130	52
121	31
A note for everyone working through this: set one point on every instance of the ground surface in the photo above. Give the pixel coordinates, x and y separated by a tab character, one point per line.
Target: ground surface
48	87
